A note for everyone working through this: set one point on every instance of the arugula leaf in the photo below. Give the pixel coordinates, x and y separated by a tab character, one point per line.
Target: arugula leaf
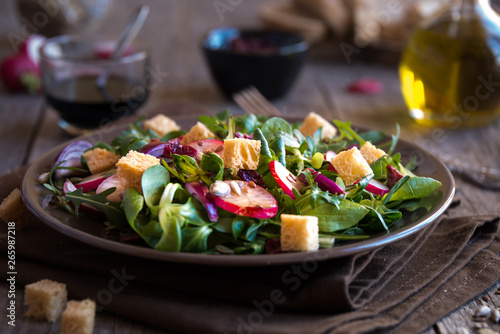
347	132
111	210
215	125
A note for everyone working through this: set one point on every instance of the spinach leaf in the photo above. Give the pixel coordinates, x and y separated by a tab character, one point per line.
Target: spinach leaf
415	187
275	124
331	218
154	179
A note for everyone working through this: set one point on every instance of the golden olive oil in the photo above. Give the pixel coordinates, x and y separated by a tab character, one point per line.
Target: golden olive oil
450	73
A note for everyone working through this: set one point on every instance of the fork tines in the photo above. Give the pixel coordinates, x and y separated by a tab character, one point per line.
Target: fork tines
252	101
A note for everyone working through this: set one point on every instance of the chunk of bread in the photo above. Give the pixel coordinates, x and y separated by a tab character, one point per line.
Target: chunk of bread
241	153
13	209
299	233
46	299
100	160
78	317
351	166
161	125
132	166
313	122
370	152
198	132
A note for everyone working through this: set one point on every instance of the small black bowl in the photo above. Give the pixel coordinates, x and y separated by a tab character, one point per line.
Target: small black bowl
269	60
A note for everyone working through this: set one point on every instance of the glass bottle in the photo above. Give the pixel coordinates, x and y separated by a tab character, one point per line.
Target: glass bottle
450	69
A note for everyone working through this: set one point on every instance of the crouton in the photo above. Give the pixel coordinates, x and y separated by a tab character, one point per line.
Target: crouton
299	233
197	132
351	166
100	160
313	122
13	209
371	152
78	317
241	153
132	166
46	299
161	125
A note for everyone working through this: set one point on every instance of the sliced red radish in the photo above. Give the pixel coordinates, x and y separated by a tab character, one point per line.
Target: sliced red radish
329	155
93	181
110	182
208	145
248	199
200	191
377	187
366	86
68	186
286	180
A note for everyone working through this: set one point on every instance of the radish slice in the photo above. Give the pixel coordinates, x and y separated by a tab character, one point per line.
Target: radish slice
92	182
329	155
377	187
201	193
71	155
286	180
110	182
250	201
68	186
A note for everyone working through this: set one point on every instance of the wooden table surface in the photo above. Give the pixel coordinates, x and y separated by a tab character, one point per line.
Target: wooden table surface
174	29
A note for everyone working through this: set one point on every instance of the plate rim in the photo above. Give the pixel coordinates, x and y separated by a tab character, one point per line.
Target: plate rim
30	186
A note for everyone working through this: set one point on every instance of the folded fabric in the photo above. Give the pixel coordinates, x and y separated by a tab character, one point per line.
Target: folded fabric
405	287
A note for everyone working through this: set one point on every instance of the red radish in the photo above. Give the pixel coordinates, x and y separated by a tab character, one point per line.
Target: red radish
20	72
31	47
366	86
201	193
286	180
68	186
92	182
329	155
208	145
377	187
71	155
250	201
114	181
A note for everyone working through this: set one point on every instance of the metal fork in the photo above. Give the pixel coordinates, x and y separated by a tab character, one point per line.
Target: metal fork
252	101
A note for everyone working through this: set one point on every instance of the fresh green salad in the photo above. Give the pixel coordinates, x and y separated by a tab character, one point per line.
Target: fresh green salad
226	193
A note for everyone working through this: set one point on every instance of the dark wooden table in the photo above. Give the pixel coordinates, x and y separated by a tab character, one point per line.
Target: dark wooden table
174	29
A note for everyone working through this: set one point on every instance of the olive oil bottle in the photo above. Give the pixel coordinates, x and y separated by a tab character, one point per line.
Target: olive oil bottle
450	69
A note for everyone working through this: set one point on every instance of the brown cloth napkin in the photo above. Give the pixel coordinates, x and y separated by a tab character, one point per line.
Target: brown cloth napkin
404	287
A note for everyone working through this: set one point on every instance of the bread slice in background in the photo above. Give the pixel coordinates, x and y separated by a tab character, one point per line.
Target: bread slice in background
336	14
286	16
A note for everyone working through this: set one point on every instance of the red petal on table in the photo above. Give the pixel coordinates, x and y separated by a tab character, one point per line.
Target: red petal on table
365	86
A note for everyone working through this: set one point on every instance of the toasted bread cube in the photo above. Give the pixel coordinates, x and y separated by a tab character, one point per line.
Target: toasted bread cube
197	132
299	233
100	160
132	166
161	125
313	122
370	152
241	153
13	209
351	166
78	317
46	299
